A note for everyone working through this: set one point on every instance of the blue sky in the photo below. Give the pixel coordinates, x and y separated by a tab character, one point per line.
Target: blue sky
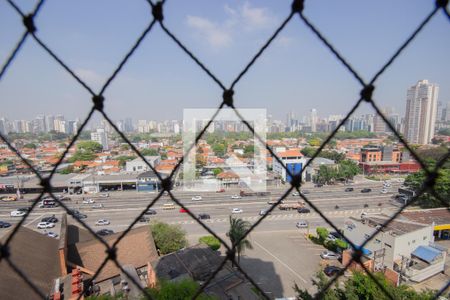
296	73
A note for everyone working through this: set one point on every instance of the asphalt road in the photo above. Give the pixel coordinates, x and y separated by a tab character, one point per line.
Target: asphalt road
121	208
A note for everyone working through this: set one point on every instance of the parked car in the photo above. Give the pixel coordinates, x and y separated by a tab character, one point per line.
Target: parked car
182	210
330	255
44	225
88	201
331	237
102	222
236	210
150	212
236	197
366	190
204	216
51	219
97	206
302	224
295	194
331	270
349	189
17	213
384	191
104	195
303	210
4	224
197	198
51	234
144	219
104	232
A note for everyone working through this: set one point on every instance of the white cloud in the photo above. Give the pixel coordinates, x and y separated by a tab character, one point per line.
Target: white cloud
242	18
90	77
256	17
216	35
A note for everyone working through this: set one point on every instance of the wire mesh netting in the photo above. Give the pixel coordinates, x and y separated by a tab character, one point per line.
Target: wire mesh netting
98	103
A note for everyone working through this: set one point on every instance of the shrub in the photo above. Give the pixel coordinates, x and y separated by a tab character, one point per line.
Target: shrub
168	238
211	241
322	233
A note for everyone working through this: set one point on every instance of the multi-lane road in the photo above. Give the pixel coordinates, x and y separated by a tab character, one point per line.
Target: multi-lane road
123	207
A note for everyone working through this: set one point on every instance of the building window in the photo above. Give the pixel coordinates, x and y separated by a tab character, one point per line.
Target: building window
424	238
387	245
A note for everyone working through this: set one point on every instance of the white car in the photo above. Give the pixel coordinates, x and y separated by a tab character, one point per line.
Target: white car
236	197
236	211
44	225
88	201
384	191
302	224
17	213
196	198
104	195
102	222
51	234
98	205
295	194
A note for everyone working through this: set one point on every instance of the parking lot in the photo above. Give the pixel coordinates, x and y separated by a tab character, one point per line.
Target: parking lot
276	266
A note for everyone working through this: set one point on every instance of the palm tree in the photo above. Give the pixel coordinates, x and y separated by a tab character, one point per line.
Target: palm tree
238	228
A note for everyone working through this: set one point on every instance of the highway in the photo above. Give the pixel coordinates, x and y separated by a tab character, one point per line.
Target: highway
123	207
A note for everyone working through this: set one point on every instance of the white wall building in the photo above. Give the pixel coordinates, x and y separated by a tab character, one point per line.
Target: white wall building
399	245
293	160
100	137
420	115
137	165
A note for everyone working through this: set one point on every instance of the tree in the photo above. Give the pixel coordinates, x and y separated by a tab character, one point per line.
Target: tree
83	156
238	228
362	286
124	158
30	146
211	241
308	151
326	174
348	169
168	238
89	146
444	131
217	171
149	152
442	187
322	233
315	142
124	147
219	149
177	290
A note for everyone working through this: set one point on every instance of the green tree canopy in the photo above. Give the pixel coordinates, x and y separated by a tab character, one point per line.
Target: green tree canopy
211	241
238	228
442	187
89	146
168	238
178	290
30	146
149	152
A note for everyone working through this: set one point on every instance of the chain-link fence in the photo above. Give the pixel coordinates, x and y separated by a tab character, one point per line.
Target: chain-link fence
98	100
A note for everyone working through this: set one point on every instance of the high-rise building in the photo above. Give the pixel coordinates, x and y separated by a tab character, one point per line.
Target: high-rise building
420	115
313	120
50	123
101	137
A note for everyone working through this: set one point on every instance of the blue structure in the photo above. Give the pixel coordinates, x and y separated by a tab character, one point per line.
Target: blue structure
294	169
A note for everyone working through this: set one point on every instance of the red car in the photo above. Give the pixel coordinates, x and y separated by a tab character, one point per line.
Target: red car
182	210
220	191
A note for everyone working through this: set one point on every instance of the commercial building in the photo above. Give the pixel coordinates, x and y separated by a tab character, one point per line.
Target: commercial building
293	160
405	248
420	116
438	217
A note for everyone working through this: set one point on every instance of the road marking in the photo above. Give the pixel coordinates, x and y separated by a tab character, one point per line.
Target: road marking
34	220
280	261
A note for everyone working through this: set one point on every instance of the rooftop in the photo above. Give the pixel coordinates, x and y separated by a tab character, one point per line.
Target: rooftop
440	216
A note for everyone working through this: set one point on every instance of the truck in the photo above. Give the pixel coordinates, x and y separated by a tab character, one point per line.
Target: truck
291	205
259	194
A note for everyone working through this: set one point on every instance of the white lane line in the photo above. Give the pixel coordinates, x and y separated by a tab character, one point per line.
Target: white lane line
280	261
34	220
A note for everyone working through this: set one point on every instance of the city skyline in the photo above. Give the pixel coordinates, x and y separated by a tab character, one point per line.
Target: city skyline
296	71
